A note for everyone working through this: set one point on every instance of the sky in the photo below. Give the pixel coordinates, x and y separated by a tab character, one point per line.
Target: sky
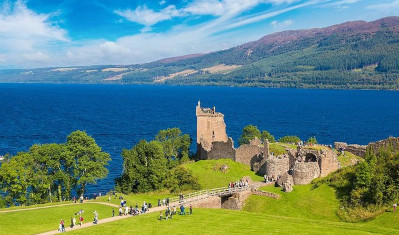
60	33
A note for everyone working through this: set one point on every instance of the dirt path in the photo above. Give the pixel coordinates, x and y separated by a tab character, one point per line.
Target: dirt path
102	221
71	204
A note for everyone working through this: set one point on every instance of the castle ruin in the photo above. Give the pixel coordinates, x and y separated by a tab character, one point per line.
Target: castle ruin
300	166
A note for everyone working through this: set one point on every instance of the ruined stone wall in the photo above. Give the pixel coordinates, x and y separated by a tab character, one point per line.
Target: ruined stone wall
358	150
328	162
305	172
219	150
391	142
236	201
248	154
276	166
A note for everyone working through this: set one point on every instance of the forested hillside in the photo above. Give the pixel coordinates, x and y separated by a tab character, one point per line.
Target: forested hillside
352	55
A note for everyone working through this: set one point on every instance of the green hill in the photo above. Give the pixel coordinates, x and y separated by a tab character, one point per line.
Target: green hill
351	55
210	174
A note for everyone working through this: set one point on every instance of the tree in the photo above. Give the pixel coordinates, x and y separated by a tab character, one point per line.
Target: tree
289	139
89	160
144	168
249	133
55	169
312	140
265	135
15	178
174	144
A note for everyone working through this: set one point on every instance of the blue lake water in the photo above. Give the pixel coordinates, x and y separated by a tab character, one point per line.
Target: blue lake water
119	116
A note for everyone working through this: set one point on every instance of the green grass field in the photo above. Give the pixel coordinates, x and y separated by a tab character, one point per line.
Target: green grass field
303	211
218	221
318	204
46	219
210	176
138	198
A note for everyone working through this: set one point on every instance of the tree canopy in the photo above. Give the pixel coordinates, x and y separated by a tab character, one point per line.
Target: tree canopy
154	165
50	172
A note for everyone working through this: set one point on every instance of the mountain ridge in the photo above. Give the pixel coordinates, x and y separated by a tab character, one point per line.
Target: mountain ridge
350	55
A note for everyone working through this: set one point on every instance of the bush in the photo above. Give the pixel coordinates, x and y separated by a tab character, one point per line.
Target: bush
312	140
181	179
265	135
249	133
289	139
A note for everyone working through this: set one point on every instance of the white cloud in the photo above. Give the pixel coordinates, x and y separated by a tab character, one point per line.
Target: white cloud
26	35
149	17
281	25
387	8
162	2
36	57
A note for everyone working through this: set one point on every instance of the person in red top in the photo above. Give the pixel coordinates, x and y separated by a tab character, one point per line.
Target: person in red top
81	220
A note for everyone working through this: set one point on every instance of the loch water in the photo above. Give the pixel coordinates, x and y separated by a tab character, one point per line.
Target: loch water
118	116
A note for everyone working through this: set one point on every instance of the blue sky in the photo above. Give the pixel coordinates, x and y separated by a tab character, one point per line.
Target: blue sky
42	33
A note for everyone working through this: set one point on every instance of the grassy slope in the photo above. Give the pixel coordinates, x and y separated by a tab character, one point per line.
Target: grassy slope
302	202
210	176
317	204
217	221
46	219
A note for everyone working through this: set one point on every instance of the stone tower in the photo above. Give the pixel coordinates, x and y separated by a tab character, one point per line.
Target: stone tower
210	127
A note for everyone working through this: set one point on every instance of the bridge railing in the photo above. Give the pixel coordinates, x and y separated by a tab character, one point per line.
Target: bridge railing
198	195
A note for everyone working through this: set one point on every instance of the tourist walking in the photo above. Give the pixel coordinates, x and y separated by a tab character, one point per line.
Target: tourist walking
120	211
71	222
191	209
74	221
62	223
394	207
113	212
81	220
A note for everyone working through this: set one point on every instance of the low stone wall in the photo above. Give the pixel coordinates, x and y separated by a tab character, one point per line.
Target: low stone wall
358	150
211	202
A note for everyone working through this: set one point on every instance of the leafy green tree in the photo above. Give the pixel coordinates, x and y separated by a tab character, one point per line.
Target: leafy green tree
15	178
89	161
174	144
53	168
180	179
312	140
265	135
144	168
249	133
289	139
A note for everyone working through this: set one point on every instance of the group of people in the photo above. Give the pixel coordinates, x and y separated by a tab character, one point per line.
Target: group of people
271	179
238	184
163	202
125	210
73	221
169	213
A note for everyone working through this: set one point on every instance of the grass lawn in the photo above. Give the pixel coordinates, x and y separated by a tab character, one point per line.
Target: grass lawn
138	198
35	206
46	219
218	221
210	176
348	158
318	204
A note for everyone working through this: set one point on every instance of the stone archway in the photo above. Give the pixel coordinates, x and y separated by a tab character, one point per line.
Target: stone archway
310	157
